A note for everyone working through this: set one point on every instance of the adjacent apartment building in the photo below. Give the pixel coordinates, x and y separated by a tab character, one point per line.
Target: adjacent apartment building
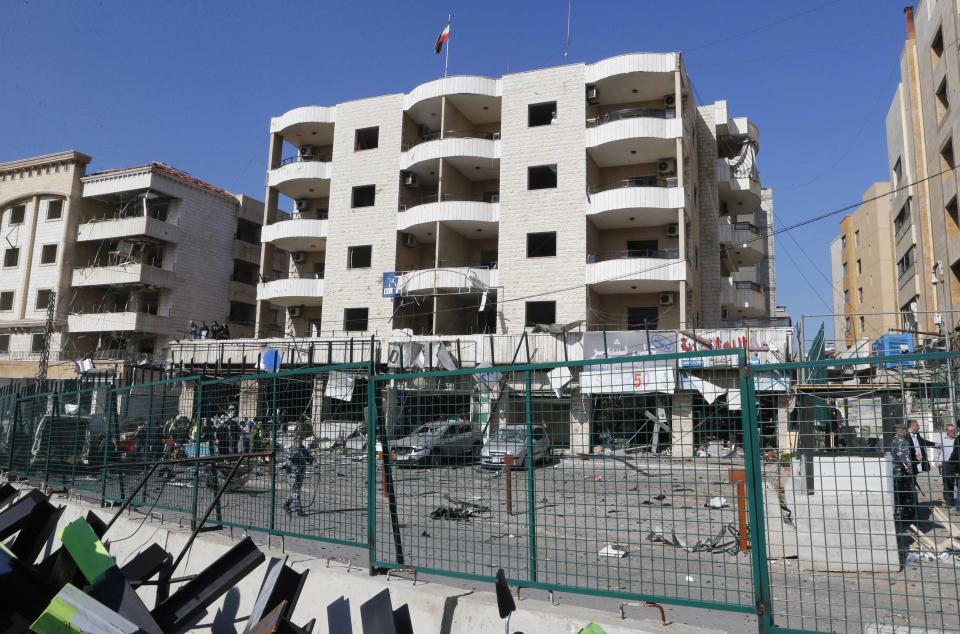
132	255
865	293
922	131
600	195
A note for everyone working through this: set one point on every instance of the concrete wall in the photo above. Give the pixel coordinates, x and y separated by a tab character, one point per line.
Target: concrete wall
375	225
560	209
434	608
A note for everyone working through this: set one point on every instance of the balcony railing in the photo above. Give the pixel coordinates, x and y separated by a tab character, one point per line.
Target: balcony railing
627	113
321	214
312	158
636	181
747	286
660	254
434	198
452	134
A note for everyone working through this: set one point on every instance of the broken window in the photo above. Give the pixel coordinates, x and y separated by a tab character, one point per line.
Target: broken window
11	257
542	114
542	245
359	257
43	298
642	317
54	210
355	319
364	196
17	214
6	300
366	138
4	343
542	177
540	313
48	254
37	342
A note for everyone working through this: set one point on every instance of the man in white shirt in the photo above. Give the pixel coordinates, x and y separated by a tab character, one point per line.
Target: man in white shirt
950	464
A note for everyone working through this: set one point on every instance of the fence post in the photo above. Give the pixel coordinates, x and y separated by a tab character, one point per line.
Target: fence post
106	445
13	432
371	468
76	441
46	463
273	455
530	463
198	423
751	452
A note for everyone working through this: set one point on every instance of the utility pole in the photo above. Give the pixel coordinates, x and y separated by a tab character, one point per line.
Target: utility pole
45	350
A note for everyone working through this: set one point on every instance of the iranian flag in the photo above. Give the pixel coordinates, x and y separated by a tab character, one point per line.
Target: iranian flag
443	37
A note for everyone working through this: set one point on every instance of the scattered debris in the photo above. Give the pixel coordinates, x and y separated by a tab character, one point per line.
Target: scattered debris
424	534
690	579
458	510
613	550
716	503
593	476
716	449
718	544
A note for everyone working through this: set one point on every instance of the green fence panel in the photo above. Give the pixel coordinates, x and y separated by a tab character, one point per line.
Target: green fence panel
622	482
859	533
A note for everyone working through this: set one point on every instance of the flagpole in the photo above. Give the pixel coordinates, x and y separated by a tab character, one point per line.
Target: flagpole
446	58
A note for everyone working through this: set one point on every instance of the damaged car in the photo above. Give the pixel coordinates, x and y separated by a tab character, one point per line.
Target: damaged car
439	442
512	439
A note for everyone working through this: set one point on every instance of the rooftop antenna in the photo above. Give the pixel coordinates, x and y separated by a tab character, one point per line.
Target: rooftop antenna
566	44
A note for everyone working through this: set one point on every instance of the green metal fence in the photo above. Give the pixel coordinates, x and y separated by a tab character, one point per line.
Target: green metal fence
697	479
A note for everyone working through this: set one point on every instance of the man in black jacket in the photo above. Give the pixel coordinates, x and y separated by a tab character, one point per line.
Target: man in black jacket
919	443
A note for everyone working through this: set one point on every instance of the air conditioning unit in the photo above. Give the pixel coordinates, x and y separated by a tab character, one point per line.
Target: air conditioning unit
666	299
670	101
306	151
673	230
298	256
667	167
493	197
408	240
303	204
593	96
295	311
495	136
409	179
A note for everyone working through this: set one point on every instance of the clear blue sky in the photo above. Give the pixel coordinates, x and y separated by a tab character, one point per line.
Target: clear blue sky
195	84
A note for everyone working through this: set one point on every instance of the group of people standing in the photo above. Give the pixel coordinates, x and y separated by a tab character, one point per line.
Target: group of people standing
910	460
216	331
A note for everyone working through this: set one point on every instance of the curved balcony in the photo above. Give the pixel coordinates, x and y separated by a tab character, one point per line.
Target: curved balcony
293	233
428	281
631	63
635	202
114	229
465	216
294	291
139	274
297	178
304	122
618	273
453	144
612	138
738	186
457	85
742	299
745	243
121	322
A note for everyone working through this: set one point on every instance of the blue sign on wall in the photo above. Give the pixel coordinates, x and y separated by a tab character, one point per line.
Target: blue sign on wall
390	280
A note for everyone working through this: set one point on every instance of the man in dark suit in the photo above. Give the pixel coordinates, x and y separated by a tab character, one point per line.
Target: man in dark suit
920	461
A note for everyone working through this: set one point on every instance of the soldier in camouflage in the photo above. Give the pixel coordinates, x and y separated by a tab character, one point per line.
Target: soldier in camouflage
295	464
904	477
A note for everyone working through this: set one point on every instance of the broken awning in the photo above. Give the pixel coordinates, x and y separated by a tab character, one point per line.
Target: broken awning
628	378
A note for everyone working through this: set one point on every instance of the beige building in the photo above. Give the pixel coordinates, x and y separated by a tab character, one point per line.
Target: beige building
922	127
596	192
131	254
865	298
